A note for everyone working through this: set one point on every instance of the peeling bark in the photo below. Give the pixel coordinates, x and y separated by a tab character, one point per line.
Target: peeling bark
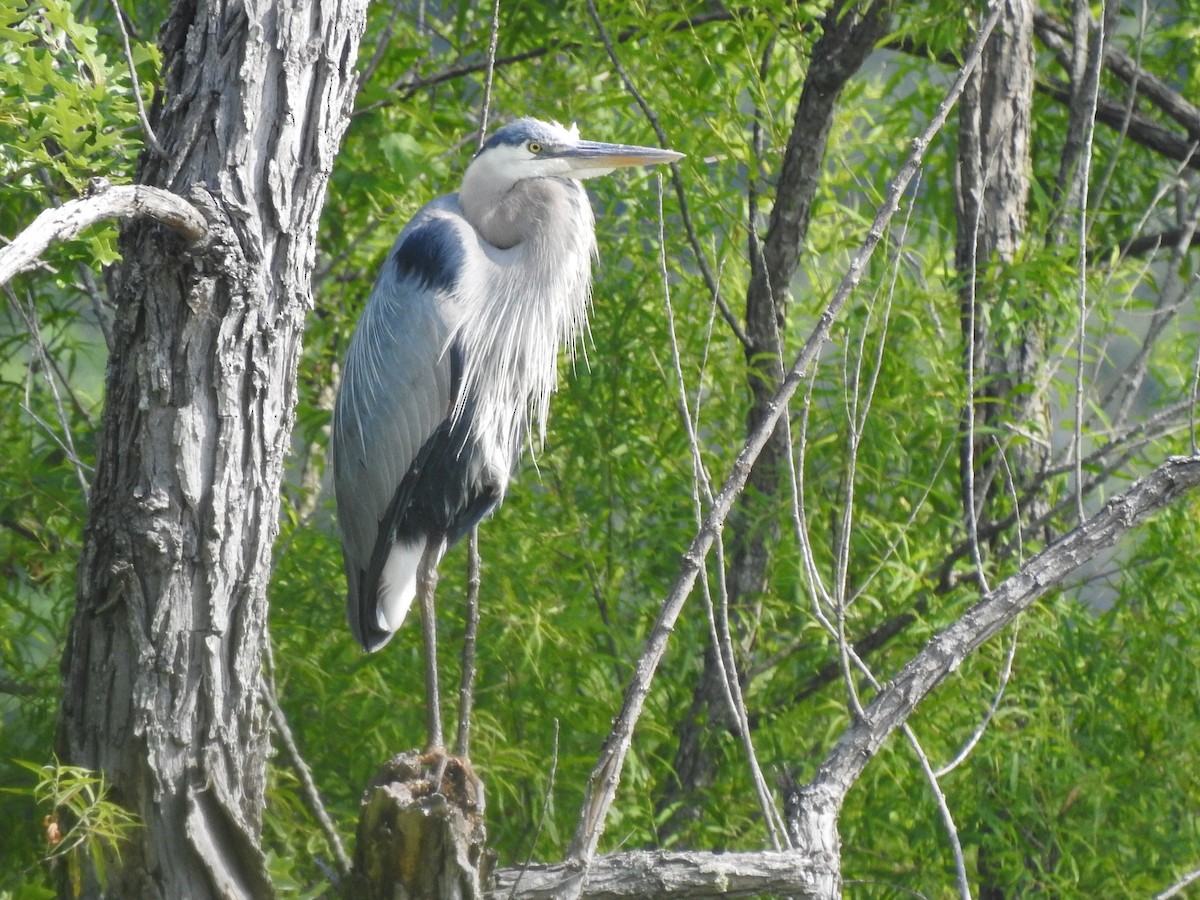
162	665
421	831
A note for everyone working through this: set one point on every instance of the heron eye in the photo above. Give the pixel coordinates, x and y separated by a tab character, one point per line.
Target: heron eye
534	147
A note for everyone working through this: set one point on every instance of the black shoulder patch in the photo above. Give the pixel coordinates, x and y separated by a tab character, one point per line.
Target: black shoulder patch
431	255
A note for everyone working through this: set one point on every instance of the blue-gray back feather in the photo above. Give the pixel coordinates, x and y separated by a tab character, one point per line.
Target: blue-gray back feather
396	390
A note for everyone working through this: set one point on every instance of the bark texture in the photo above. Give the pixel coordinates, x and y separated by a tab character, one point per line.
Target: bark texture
421	832
947	650
645	874
163	661
128	201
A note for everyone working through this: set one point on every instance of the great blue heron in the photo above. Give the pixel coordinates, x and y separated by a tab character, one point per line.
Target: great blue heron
452	364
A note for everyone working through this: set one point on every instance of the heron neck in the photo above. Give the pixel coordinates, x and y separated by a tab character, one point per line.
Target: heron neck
531	211
535	302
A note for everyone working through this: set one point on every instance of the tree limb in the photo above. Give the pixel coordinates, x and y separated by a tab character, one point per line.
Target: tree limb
1056	36
602	783
663	875
1141	128
127	201
1046	571
405	87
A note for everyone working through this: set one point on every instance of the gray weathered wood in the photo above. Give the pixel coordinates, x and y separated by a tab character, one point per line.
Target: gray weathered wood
946	651
126	201
420	832
162	665
677	875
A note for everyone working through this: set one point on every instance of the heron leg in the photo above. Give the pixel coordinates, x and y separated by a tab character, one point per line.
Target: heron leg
427	578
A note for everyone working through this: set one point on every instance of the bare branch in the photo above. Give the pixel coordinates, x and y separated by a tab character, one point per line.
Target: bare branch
489	72
946	651
49	370
1140	127
1056	36
406	87
466	683
710	279
602	784
129	201
537	831
308	787
1178	886
151	137
977	735
660	874
1152	243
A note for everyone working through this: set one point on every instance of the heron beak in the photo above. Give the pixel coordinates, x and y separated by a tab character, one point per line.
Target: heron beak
588	159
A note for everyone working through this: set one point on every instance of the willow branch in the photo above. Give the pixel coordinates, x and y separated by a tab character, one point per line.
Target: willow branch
1044	572
129	201
602	784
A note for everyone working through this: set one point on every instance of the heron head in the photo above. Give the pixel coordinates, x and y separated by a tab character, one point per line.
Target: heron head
515	182
529	148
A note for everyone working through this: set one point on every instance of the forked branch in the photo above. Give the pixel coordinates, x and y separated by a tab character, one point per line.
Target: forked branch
1043	573
602	785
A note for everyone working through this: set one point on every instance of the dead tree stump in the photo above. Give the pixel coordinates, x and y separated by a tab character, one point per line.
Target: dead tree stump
421	832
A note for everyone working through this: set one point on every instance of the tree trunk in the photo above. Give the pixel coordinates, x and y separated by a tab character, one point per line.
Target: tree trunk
162	665
421	832
1002	329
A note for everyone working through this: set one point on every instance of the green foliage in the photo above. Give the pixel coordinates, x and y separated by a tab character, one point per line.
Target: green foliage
67	108
66	114
81	822
588	537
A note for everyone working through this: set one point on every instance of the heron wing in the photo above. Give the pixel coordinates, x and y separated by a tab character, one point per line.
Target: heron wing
397	391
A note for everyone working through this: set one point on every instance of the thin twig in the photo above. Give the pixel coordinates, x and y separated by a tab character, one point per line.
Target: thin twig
1082	175
602	784
960	865
466	686
1130	102
537	831
66	442
405	87
381	46
1178	886
851	658
977	735
151	138
308	787
1194	397
723	642
689	228
489	72
718	614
